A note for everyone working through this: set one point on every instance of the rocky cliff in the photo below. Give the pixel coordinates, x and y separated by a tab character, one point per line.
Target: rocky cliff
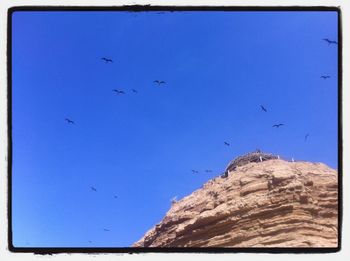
273	203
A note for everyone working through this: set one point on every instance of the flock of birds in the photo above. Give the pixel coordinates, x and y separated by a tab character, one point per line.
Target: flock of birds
118	92
226	143
160	82
263	108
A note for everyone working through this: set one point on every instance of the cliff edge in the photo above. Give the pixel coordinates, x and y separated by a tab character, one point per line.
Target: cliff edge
273	203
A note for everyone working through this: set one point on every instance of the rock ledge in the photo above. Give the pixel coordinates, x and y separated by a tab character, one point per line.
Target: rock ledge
273	203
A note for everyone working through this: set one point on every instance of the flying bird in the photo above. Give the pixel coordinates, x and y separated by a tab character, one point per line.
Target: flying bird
133	90
159	82
194	171
208	171
226	143
92	188
306	136
325	76
263	108
107	60
105	229
278	125
119	91
174	199
330	41
69	121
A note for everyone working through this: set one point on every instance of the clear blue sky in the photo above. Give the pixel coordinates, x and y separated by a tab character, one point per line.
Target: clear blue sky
219	67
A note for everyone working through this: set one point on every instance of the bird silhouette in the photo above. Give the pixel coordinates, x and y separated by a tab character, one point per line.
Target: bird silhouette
208	171
105	229
263	108
278	125
92	188
69	121
133	90
306	136
159	82
226	143
194	171
107	60
330	41
325	76
119	91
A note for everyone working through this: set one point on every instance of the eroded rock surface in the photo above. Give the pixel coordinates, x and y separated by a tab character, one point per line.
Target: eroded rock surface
273	203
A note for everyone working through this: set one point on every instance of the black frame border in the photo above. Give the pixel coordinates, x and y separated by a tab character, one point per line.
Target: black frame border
131	250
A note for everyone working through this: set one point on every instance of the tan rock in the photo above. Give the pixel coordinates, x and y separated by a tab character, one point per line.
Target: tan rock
273	203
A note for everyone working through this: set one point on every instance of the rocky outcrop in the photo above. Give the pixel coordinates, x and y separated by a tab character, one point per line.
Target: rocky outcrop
273	203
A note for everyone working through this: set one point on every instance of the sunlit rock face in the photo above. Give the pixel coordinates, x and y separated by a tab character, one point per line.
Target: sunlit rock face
272	203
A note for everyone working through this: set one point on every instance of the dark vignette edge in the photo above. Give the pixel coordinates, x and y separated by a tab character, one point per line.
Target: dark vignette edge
141	8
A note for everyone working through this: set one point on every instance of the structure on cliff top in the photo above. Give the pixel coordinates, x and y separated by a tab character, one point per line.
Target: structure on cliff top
255	156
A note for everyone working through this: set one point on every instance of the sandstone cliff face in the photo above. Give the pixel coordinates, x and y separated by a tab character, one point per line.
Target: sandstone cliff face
274	203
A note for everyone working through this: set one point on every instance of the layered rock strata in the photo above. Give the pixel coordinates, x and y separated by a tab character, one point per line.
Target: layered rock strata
273	203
